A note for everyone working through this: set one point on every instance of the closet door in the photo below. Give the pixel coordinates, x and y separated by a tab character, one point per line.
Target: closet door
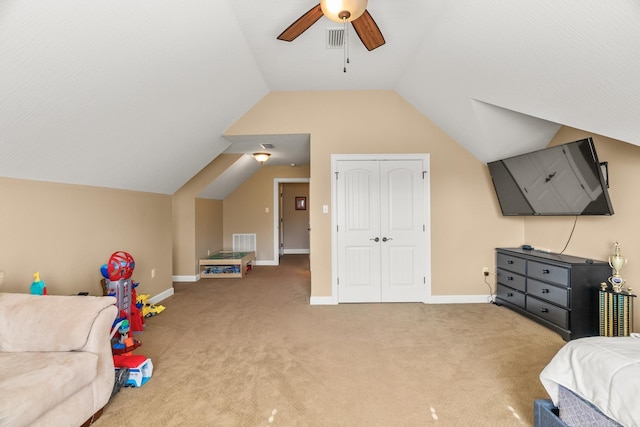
381	231
359	231
402	231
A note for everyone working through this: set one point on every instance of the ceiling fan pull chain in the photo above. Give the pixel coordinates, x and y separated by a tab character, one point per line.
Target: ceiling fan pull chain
346	26
345	44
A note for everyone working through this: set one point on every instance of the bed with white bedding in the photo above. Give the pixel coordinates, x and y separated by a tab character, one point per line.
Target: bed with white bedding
603	371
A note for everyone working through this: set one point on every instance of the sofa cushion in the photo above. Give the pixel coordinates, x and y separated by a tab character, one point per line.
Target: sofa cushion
25	321
33	383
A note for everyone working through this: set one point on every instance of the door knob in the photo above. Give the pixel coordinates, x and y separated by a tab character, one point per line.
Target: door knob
377	239
384	239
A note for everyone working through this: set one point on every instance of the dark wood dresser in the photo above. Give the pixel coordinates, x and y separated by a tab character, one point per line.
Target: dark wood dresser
557	291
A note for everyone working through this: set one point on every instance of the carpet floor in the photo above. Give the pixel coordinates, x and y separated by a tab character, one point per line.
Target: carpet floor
253	352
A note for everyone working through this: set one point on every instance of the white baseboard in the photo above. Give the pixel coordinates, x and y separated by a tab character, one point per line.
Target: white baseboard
193	278
161	296
458	299
434	299
265	262
322	301
296	251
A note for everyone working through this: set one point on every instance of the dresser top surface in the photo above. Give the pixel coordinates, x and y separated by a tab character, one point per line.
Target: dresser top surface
544	256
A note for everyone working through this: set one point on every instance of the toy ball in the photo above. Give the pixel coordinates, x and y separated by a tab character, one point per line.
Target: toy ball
120	266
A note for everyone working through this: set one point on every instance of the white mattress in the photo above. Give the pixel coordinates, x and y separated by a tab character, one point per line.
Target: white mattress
602	370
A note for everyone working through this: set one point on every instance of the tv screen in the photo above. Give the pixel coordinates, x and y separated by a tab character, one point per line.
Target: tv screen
563	180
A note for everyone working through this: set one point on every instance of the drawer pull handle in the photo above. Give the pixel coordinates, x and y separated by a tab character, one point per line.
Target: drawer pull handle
545	291
509	294
509	277
544	310
545	271
509	261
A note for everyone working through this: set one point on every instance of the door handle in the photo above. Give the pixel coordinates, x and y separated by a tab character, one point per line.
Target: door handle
377	239
384	239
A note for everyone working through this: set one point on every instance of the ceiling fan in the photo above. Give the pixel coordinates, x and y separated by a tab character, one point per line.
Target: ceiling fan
342	11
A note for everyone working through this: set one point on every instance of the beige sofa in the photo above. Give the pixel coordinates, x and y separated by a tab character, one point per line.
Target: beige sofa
56	367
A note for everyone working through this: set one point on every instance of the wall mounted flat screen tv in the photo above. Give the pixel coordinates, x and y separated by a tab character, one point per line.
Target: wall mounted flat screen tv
563	180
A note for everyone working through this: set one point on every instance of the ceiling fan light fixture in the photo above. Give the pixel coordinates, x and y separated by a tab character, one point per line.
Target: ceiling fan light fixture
261	157
341	10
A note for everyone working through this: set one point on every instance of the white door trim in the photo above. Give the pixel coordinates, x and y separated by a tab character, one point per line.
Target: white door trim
334	215
276	215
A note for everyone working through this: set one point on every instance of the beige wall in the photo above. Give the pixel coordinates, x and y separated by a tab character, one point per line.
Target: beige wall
593	237
466	224
244	209
66	232
185	258
208	227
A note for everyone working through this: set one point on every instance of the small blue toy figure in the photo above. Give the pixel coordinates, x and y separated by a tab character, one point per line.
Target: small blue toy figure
38	287
123	330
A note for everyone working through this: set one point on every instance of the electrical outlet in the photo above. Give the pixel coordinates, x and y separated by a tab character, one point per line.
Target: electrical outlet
485	271
153	273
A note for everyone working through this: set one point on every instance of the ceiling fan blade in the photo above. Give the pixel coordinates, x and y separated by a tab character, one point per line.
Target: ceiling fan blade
368	31
302	24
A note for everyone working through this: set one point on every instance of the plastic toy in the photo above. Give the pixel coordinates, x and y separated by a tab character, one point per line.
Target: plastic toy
124	344
118	283
124	340
148	309
38	287
119	266
140	369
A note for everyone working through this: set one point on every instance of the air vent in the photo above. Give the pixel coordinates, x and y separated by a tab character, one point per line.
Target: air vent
335	38
244	242
266	146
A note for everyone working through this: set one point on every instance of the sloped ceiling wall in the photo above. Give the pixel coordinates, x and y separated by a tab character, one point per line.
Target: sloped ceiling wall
130	95
571	63
137	95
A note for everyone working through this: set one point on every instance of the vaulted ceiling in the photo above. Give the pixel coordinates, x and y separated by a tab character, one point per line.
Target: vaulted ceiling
137	94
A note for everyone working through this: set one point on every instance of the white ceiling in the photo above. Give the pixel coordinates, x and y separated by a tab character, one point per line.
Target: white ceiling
137	94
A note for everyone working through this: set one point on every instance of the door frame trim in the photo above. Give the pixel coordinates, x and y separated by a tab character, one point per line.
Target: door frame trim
276	213
335	158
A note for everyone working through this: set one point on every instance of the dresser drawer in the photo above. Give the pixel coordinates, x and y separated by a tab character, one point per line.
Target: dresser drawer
550	273
512	280
547	311
511	263
545	291
509	295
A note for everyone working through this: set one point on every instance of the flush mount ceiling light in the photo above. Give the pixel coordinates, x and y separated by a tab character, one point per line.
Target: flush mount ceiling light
261	157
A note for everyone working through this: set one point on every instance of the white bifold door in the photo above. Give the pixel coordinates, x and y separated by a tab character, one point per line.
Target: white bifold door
381	231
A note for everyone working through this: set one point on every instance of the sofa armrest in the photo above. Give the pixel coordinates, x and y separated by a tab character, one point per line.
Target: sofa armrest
54	322
99	342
